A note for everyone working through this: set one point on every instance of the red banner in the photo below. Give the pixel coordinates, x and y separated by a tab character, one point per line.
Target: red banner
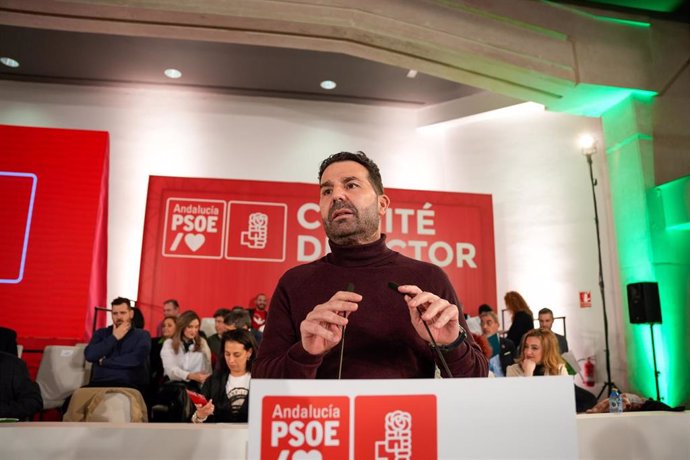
214	243
53	236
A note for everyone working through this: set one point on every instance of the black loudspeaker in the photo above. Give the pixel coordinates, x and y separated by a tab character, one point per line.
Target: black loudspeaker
643	303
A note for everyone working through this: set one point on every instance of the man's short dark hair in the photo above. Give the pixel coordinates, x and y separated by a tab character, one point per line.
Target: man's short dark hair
120	301
485	308
221	312
361	158
238	318
175	303
544	311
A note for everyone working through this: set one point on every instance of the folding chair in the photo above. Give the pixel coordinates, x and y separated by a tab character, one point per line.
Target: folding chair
208	325
60	372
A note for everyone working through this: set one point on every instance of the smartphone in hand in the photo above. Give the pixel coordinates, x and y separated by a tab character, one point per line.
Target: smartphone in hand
197	398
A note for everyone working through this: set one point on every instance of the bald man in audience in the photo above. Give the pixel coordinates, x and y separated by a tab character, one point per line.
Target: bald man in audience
259	312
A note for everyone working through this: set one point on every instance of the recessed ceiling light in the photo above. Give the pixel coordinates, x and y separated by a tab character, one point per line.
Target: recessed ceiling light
412	73
328	84
172	73
9	62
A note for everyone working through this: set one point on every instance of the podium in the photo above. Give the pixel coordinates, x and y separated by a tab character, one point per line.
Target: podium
413	419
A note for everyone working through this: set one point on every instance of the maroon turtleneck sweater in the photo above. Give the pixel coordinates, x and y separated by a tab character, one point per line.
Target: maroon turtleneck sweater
380	341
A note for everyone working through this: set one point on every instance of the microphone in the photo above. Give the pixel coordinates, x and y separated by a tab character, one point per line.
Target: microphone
349	288
395	286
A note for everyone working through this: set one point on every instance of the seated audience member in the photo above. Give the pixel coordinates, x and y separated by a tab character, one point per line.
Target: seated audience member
20	398
168	328
546	322
214	340
186	357
120	352
239	319
171	307
486	349
227	391
259	312
8	341
538	356
522	317
505	355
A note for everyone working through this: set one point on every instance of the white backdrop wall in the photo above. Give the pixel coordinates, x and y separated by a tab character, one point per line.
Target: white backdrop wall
528	160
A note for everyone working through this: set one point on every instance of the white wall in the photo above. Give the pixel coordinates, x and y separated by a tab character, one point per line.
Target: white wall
528	160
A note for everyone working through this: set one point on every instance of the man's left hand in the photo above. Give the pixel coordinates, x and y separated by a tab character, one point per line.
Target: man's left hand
440	315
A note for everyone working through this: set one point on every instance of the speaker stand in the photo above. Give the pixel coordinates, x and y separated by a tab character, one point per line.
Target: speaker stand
656	372
607	355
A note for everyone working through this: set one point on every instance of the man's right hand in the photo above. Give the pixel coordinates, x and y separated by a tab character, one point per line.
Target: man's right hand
321	330
122	330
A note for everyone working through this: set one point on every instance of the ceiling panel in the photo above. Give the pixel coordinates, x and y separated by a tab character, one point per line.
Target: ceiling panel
87	58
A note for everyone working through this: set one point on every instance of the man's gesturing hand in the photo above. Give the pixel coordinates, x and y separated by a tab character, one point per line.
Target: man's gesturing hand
441	315
122	329
321	330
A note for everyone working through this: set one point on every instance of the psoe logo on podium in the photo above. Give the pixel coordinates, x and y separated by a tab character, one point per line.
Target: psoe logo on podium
399	427
194	228
305	427
256	231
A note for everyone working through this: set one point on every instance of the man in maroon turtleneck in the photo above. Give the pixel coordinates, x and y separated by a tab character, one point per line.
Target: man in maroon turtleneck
347	293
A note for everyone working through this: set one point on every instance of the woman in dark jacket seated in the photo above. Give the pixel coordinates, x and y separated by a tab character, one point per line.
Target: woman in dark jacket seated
522	317
227	390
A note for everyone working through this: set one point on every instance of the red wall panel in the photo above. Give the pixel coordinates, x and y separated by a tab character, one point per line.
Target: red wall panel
214	243
63	246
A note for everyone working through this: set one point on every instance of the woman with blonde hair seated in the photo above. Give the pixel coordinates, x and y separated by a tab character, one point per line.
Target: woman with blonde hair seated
186	356
539	355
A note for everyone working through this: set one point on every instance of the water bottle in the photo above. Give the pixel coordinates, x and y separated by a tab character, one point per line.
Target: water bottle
615	401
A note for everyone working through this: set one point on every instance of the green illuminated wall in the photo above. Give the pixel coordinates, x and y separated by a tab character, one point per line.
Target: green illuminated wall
669	208
652	227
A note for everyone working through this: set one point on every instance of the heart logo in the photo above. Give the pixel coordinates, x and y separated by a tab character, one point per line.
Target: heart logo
311	455
194	241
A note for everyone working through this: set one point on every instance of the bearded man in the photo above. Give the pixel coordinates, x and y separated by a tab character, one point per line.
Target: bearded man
120	352
350	290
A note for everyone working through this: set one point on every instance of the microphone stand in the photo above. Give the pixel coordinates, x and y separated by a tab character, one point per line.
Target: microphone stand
608	384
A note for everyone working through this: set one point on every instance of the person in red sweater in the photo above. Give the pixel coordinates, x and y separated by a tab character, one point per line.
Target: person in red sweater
347	293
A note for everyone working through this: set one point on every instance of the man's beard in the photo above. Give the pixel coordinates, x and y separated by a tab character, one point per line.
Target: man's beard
357	228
